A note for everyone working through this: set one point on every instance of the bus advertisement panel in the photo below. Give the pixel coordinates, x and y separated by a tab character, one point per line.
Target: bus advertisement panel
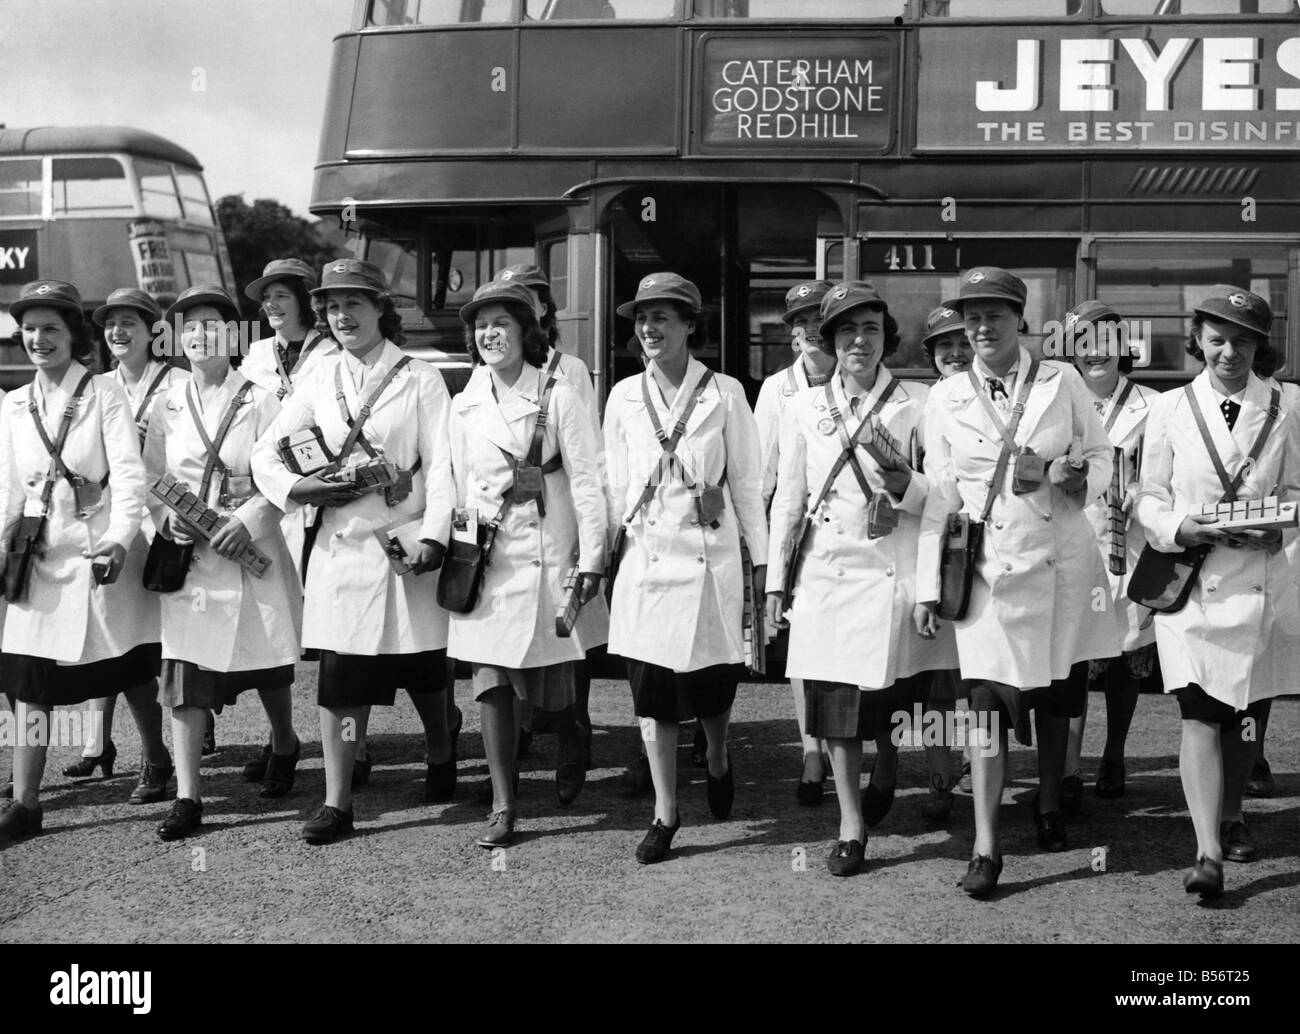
1100	88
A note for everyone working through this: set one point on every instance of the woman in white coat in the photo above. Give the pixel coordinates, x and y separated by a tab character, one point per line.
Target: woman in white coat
223	631
571	370
376	630
509	638
84	627
129	319
812	367
1031	623
852	637
677	612
1093	339
1232	647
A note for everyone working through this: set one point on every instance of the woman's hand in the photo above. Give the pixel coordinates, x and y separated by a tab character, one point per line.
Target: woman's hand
1066	476
231	538
775	615
897	482
429	558
1196	530
113	556
588	586
176	530
322	489
926	616
1269	540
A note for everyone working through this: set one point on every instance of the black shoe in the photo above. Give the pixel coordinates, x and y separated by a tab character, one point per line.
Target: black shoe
152	787
1260	783
876	804
1238	844
525	743
655	844
847	858
255	770
361	771
722	792
1110	779
186	816
7	788
700	749
1071	794
1205	879
327	825
636	780
18	820
937	807
981	877
210	736
84	768
1051	829
280	770
810	794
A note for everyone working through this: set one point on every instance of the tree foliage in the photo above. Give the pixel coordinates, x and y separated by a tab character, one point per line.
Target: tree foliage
262	231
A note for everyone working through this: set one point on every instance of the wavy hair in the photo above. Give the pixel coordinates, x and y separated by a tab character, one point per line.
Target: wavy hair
534	338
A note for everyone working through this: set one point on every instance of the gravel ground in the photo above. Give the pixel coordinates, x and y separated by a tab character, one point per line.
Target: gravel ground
413	872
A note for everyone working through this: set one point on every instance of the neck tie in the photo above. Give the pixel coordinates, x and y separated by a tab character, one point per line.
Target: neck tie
853	405
996	388
1230	411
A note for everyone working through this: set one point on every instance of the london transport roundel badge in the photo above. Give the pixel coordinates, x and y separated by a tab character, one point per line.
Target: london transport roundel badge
507	275
1239	300
647	283
1071	319
947	314
44	289
826	426
804	291
841	292
975	278
341	267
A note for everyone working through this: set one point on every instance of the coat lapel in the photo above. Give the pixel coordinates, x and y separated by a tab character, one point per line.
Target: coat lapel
1254	412
520	406
708	400
1130	417
1047	383
388	358
480	411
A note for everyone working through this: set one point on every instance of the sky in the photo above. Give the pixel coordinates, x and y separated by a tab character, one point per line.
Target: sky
238	83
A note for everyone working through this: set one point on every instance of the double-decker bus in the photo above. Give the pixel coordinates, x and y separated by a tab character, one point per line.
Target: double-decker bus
1137	151
102	207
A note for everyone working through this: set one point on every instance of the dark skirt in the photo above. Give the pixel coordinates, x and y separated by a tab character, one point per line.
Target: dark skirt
360	680
1196	705
549	688
185	684
44	682
1064	698
842	712
674	696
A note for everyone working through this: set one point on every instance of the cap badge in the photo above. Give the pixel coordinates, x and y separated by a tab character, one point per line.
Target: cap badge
1071	318
508	275
841	292
647	283
1239	300
804	291
947	314
44	289
975	278
340	267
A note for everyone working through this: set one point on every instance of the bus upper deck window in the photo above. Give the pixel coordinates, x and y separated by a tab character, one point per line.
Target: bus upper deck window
20	189
158	189
91	187
1008	9
1219	8
801	10
594	10
439	12
194	198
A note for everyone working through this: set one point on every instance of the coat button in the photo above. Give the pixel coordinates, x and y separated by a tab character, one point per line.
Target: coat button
998	525
1257	588
1047	516
532	524
338	534
889	572
651	521
694	523
536	563
699	559
1051	561
839	572
1211	588
654	559
482	486
1006	567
